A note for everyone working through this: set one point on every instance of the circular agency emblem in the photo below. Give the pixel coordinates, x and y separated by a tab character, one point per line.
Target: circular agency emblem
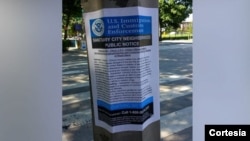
98	27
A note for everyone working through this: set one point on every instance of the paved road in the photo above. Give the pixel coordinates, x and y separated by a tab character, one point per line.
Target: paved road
175	94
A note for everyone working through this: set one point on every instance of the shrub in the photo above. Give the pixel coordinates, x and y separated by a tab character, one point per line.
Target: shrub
178	37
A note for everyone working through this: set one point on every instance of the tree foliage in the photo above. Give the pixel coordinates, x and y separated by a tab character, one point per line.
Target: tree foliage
71	10
173	12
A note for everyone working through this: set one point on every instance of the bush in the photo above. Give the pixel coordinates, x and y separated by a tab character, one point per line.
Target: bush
177	37
65	45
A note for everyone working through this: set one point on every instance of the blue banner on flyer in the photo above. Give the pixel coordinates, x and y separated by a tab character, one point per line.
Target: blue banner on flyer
121	26
129	105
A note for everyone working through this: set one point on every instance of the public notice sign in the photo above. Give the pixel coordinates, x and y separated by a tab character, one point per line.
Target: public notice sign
124	67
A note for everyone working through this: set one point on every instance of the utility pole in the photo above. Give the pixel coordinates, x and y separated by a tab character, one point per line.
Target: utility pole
123	55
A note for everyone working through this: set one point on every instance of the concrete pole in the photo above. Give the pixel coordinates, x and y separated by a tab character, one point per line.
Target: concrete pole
141	122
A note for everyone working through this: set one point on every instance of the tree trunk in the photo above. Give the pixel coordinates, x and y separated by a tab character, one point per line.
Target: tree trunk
65	33
66	26
160	36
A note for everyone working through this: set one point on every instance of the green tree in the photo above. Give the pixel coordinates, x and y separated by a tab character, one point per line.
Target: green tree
71	11
172	13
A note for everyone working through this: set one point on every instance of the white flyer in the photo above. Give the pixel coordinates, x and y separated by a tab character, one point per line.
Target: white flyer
124	67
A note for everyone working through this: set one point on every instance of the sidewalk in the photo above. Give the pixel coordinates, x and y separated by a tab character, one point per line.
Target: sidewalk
175	98
75	49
